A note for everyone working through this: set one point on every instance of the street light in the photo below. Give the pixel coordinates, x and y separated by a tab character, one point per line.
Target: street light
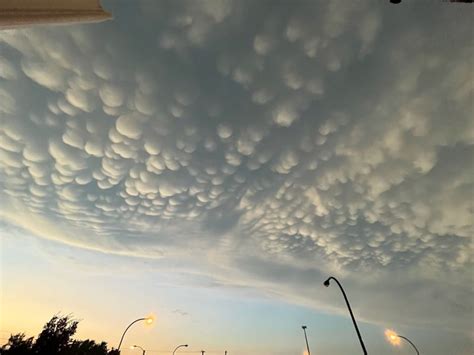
180	346
139	347
326	283
147	320
306	338
394	339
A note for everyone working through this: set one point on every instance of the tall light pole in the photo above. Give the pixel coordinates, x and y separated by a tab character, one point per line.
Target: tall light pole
180	346
394	339
306	338
139	347
326	283
148	320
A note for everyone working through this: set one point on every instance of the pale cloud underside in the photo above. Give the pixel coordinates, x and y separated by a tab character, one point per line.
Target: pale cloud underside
271	141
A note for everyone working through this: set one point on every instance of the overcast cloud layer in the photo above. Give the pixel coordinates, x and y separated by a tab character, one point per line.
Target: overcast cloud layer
278	141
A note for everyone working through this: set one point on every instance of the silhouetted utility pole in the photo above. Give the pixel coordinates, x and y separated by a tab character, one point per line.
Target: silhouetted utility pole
139	347
180	346
148	320
202	352
306	338
326	283
409	341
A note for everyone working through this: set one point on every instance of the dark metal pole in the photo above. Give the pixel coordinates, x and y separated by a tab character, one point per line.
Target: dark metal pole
121	339
408	340
326	283
306	338
139	347
180	346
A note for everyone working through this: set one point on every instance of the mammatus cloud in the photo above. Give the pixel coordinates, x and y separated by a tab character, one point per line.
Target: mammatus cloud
282	142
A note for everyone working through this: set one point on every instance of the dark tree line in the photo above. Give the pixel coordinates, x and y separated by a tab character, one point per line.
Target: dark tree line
55	339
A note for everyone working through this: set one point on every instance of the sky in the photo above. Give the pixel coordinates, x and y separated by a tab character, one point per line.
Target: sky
214	161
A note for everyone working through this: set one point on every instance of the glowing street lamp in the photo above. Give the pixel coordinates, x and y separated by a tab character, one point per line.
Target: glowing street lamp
326	283
394	339
138	347
147	320
180	346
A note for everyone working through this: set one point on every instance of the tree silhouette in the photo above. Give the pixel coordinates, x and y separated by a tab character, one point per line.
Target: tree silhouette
55	339
18	345
87	347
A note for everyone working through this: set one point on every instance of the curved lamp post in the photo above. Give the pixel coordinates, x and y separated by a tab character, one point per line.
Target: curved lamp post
180	346
306	338
392	337
148	320
326	283
409	341
139	347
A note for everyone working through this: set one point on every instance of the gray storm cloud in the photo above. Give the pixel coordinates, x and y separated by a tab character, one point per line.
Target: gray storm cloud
287	140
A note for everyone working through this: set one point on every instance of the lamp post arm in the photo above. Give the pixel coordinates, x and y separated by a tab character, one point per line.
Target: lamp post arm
123	335
180	346
352	314
139	347
409	341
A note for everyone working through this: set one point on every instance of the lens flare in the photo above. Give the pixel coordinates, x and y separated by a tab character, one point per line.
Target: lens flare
392	337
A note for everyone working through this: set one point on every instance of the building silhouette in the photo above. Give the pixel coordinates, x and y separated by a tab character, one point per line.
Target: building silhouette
25	13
